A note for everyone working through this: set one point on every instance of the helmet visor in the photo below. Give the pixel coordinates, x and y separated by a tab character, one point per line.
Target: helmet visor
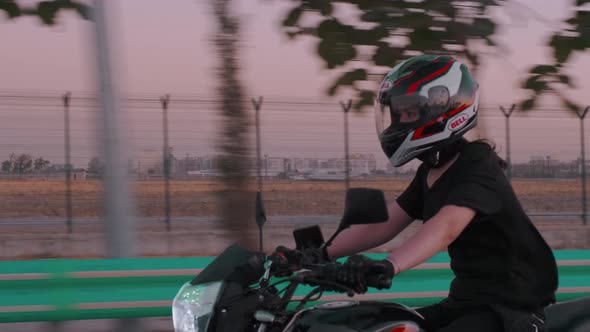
402	114
397	116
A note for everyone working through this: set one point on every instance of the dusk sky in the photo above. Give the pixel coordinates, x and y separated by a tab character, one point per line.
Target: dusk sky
164	47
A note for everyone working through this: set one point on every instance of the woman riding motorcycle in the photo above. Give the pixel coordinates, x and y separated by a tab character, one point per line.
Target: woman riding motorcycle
505	273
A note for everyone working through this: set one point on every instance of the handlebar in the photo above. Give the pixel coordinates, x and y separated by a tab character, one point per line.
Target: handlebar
320	273
379	281
323	275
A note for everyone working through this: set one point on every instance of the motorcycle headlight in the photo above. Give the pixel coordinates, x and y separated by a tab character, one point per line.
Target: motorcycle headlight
193	305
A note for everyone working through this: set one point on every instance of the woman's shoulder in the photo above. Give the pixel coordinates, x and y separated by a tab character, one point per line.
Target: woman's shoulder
481	151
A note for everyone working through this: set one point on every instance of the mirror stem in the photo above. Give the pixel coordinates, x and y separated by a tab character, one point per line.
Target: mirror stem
338	231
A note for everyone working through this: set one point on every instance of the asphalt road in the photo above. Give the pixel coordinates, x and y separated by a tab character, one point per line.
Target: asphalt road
159	324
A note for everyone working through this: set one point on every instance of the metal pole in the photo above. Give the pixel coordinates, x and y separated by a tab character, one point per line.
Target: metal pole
68	160
260	212
265	166
120	222
118	207
346	108
508	156
257	104
166	159
583	157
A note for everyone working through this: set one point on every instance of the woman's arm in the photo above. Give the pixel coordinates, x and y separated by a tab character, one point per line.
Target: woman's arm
359	238
435	235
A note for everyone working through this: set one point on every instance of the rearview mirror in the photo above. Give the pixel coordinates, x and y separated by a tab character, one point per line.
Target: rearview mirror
364	206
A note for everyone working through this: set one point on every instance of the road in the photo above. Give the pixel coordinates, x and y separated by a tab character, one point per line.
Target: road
159	324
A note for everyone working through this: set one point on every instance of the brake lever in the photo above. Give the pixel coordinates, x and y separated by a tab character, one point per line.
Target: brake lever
266	276
311	280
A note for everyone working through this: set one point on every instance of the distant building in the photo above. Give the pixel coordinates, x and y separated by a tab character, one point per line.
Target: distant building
304	165
547	167
362	163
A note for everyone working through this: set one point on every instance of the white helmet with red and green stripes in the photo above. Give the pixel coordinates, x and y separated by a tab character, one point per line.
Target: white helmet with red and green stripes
443	95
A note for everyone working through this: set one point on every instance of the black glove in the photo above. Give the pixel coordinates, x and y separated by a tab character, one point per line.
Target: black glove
285	261
357	268
312	256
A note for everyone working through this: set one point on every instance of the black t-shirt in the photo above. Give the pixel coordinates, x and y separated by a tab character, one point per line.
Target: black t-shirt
500	257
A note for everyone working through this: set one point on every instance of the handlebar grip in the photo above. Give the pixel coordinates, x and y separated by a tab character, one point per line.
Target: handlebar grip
379	281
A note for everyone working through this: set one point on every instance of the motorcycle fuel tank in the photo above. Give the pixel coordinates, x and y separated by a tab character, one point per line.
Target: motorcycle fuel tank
359	316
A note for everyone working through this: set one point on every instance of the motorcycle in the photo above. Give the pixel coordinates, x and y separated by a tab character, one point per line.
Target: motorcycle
240	290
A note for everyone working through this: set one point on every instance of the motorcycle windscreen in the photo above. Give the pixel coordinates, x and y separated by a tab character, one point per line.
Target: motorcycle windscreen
235	264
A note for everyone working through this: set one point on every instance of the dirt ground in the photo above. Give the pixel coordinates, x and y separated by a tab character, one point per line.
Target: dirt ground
42	199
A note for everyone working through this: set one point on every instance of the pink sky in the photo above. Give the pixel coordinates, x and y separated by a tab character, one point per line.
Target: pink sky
163	47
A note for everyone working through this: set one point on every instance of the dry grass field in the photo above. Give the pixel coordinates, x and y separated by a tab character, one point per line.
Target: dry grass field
41	199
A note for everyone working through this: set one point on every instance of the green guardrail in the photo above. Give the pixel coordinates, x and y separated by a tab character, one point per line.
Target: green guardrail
60	289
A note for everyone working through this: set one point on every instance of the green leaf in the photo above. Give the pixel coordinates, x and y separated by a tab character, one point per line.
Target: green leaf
333	29
374	16
424	39
543	69
483	27
534	83
418	22
386	55
562	47
528	104
367	37
11	8
293	34
47	11
411	21
323	6
336	53
581	2
565	79
445	8
348	79
293	16
84	11
572	21
326	8
366	98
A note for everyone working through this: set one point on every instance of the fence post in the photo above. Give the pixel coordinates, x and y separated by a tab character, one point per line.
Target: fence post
68	160
507	114
583	164
166	158
346	107
260	212
265	166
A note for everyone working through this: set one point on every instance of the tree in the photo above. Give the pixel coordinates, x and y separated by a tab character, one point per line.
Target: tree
6	166
236	201
551	77
40	164
47	11
24	164
388	31
9	166
95	166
